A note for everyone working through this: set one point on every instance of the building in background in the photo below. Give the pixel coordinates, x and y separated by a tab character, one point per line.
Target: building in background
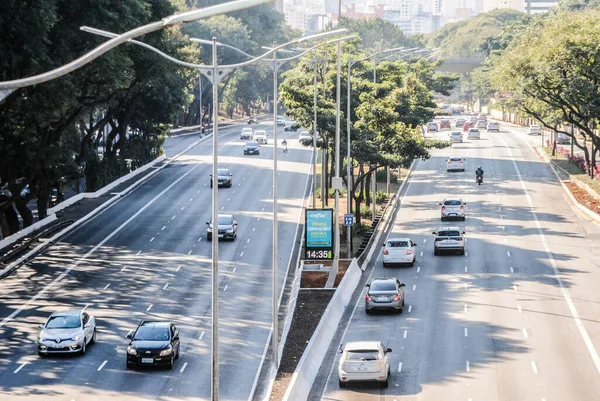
538	6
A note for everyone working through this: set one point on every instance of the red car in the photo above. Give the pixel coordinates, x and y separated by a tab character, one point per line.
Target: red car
467	125
445	124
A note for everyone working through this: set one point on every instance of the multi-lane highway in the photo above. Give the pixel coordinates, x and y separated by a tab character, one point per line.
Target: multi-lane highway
147	257
517	317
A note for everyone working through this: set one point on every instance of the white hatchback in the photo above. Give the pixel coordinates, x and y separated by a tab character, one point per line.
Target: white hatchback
534	130
304	136
247	133
473	133
363	361
260	137
453	208
400	251
456	136
455	163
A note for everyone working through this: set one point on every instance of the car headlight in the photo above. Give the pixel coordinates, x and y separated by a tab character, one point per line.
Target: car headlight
166	352
131	350
209	229
230	231
41	337
76	338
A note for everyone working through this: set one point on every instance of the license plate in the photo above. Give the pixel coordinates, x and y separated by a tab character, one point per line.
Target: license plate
362	368
147	360
220	235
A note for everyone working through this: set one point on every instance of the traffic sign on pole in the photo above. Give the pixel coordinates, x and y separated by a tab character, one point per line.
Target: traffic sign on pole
348	219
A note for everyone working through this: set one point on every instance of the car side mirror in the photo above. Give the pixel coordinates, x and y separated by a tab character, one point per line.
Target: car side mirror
130	335
464	203
367	285
440	203
383	245
414	244
388	350
208	223
402	285
340	349
463	232
41	325
433	232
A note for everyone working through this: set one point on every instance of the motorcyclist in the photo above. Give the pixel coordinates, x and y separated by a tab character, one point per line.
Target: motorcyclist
284	143
479	173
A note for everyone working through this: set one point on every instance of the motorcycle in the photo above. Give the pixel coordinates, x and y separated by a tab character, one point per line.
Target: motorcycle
53	197
285	148
479	179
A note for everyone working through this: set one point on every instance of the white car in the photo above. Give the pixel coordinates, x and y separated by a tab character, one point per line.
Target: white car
534	130
247	133
481	124
432	126
493	126
563	139
280	122
473	133
304	136
260	137
448	239
455	163
363	361
66	332
456	136
453	208
400	251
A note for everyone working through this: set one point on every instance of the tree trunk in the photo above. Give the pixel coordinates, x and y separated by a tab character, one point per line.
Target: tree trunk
4	226
358	196
12	219
368	189
24	211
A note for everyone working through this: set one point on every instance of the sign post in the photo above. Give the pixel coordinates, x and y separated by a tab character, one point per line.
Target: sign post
319	234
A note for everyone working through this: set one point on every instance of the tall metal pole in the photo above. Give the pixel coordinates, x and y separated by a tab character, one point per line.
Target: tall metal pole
275	336
215	227
200	98
374	182
324	151
348	165
314	186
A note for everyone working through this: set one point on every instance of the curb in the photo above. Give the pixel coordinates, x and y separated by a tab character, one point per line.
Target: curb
38	249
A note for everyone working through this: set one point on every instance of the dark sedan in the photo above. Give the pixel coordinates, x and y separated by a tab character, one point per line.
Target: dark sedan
251	148
227	228
153	343
253	120
223	178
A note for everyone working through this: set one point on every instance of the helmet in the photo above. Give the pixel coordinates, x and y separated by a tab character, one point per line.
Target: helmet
478	167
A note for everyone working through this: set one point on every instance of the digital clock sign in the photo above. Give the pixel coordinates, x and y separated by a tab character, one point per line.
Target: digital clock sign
319	234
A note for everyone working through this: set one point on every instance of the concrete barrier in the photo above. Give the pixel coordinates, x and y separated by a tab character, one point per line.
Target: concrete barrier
308	366
26	231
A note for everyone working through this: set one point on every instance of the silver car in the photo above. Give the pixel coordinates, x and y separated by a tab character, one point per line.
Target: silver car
364	361
453	208
448	239
385	293
67	332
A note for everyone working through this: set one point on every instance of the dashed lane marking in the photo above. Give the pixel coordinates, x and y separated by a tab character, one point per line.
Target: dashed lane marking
183	367
162	229
466	332
405	333
525	333
508	253
421	254
106	286
468	366
138	252
241	254
102	365
399	367
409	308
534	367
183	208
201	336
225	289
234	269
178	267
123	269
414	287
21	366
172	217
418	269
512	270
149	307
165	287
151	239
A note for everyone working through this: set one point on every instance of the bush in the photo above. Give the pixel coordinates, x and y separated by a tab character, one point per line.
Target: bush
380	197
366	211
331	193
360	229
382	176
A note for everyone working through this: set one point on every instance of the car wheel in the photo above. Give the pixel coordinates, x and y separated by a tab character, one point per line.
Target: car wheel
412	263
41	354
367	311
462	252
385	264
211	184
435	252
443	218
177	355
83	348
385	384
93	340
171	363
399	311
464	218
342	384
128	365
209	237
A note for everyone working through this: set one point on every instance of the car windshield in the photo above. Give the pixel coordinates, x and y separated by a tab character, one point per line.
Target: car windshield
63	322
147	333
383	286
257	133
456	159
252	144
456	134
452	202
363	355
397	244
223	172
451	233
225	220
474	130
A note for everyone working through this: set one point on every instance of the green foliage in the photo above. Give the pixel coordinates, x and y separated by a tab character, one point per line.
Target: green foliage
436	144
366	211
360	230
380	196
377	34
382	176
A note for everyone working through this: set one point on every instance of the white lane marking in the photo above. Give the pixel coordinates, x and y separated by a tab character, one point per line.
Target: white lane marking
519	308
233	191
253	228
225	289
466	269
263	208
101	366
205	184
172	217
163	229
165	287
512	270
190	252
414	287
242	254
421	251
258	218
248	240
399	367
199	238
405	333
515	287
191	199
234	269
466	253
182	208
149	307
123	269
222	207
179	267
228	199
465	308
468	366
534	367
525	333
409	308
418	269
151	239
20	367
466	332
183	367
424	240
106	286
138	252
503	228
505	241
508	253
201	336
574	313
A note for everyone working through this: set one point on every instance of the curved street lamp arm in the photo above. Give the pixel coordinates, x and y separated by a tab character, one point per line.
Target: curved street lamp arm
137	42
283	60
209	42
152	27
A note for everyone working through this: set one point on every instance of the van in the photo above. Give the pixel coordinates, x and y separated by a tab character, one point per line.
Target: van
563	139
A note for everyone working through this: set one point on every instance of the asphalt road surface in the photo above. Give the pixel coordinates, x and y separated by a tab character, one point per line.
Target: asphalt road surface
147	257
517	317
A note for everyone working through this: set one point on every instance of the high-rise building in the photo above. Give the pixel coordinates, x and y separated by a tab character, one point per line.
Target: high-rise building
538	6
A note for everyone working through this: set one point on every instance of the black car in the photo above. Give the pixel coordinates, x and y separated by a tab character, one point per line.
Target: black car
223	178
251	148
253	120
291	126
227	228
153	343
